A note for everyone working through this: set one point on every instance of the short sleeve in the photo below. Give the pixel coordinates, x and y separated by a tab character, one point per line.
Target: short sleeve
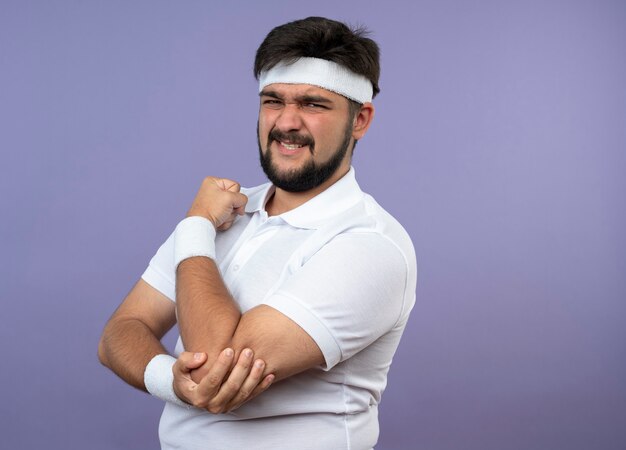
161	272
347	295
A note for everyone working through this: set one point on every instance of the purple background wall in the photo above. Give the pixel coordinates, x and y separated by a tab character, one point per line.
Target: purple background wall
499	141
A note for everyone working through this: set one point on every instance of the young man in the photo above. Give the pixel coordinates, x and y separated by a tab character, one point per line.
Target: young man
305	283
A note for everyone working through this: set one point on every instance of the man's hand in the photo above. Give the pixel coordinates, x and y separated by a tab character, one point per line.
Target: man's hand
219	391
219	200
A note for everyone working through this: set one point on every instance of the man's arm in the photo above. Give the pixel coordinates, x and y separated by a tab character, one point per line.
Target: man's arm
209	319
342	311
131	339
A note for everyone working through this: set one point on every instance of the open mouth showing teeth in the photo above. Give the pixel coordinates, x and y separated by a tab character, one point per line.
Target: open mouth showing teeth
291	146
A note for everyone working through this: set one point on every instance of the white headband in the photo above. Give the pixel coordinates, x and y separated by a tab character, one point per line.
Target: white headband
322	73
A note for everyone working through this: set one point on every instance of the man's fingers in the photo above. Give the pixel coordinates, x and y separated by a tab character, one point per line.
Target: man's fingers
228	222
220	201
222	389
239	201
226	184
231	387
231	185
209	386
241	210
266	383
184	386
252	386
187	361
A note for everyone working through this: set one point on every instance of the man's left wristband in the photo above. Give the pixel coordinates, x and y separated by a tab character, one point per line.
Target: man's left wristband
194	236
159	379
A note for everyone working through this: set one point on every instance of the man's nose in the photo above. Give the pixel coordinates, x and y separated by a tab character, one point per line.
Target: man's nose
289	118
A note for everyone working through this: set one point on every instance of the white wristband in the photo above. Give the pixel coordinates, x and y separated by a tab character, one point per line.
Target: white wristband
159	379
195	236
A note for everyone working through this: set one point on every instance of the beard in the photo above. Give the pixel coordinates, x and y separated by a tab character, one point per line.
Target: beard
311	174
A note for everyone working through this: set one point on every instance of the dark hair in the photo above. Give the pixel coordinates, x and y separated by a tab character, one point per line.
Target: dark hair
318	37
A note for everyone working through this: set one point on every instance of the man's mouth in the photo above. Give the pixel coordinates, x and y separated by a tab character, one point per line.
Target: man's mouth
291	146
290	143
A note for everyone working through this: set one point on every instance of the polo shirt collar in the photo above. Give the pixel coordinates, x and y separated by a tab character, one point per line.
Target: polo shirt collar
342	195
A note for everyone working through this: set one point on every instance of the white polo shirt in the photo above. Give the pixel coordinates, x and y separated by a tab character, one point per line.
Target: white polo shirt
344	270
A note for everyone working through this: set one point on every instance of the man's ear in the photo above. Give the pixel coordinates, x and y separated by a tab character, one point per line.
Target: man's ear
362	120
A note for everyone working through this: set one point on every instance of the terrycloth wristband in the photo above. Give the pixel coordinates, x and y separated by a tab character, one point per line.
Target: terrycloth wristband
159	378
195	236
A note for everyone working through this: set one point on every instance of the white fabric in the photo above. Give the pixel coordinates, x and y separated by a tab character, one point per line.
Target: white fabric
194	236
158	378
344	270
322	73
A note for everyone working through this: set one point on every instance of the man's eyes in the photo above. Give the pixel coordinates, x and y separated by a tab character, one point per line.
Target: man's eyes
274	103
314	106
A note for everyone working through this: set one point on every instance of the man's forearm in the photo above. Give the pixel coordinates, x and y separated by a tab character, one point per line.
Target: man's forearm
207	314
126	347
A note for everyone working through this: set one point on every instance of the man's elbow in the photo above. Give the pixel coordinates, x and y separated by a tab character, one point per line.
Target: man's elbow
102	354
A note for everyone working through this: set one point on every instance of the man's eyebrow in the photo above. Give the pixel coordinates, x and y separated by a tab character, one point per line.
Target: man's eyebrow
300	99
313	99
272	94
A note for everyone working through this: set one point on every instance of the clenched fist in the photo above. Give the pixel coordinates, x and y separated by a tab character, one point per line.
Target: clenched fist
220	201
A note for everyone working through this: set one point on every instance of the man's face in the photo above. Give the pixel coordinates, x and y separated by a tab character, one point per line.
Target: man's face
304	135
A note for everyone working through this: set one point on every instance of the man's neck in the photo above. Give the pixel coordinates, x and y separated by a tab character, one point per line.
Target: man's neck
283	201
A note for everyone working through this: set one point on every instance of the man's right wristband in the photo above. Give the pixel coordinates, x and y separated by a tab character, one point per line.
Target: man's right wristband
194	236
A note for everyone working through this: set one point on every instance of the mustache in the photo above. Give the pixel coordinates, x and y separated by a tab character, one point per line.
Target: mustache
291	137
